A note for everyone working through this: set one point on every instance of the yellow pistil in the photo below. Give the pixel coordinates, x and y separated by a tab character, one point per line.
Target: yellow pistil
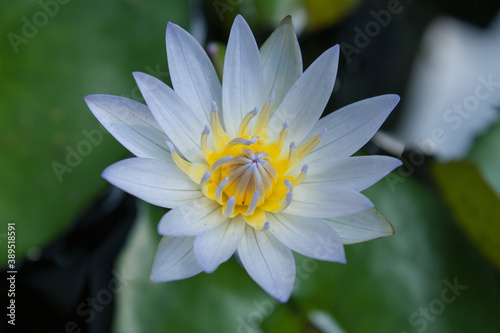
249	174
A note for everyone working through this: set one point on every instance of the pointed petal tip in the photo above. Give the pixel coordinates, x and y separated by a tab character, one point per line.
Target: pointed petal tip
109	173
95	98
173	26
139	77
333	53
88	98
102	98
392	231
391	99
145	79
240	22
104	174
336	51
172	29
396	98
287	20
170	25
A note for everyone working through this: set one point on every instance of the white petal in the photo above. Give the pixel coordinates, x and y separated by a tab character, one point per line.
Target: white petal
131	123
352	173
154	181
174	116
174	260
192	218
193	76
362	226
281	60
323	201
307	236
306	100
216	246
350	127
268	262
242	81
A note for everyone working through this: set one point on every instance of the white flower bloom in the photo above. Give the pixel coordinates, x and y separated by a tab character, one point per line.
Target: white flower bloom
248	166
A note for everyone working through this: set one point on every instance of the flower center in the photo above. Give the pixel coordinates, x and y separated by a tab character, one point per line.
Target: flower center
249	174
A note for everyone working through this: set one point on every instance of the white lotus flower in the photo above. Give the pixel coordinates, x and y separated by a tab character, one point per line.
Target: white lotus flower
248	166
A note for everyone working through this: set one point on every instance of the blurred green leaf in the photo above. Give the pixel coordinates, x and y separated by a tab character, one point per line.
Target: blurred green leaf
473	203
53	149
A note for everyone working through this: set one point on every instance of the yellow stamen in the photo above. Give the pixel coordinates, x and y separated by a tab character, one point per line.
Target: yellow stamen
262	126
281	138
243	130
194	171
288	197
207	151
220	190
301	177
306	148
221	138
204	183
